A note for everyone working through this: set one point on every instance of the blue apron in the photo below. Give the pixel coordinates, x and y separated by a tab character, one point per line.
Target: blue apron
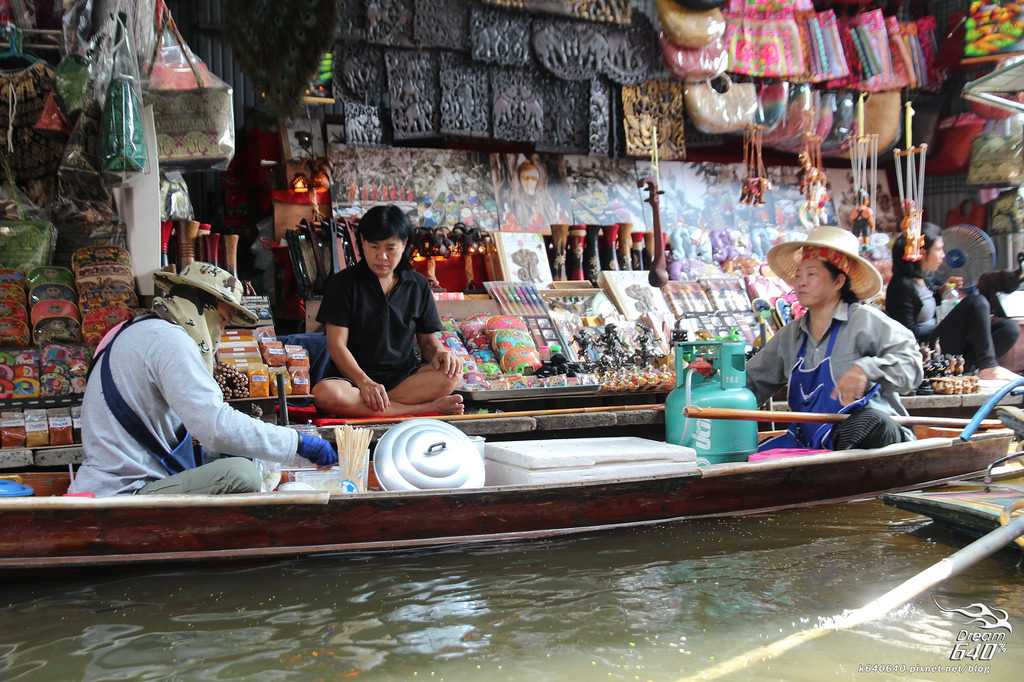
183	456
810	390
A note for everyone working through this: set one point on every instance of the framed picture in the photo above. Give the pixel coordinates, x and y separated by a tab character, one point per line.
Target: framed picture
687	297
523	257
633	295
302	139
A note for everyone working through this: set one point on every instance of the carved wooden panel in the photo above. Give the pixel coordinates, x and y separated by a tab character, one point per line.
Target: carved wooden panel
571	50
566	116
607	11
465	97
499	37
442	23
518	109
654	104
359	72
600	117
412	84
633	54
351	20
362	125
389	22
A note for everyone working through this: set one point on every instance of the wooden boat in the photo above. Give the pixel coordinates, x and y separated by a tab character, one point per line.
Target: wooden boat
51	531
975	507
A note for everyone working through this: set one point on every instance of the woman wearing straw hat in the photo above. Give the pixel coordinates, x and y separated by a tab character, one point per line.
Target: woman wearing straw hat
151	389
842	356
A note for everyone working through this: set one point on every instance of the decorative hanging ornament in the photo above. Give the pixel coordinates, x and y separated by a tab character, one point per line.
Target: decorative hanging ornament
864	164
813	183
911	188
756	184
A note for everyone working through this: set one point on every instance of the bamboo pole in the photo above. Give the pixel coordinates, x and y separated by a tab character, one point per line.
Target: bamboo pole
821	418
503	415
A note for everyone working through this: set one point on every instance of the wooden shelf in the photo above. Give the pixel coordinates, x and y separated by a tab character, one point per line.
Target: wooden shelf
988	59
318	100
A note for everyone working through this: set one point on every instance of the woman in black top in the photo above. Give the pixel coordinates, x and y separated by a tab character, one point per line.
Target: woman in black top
969	329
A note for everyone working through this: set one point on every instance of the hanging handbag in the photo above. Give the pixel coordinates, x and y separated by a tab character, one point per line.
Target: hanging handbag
765	47
697	64
871	40
193	110
123	142
996	158
953	138
687	28
716	112
826	60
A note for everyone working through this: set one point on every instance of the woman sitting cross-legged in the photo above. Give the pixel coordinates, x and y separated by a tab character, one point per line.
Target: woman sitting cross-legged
969	329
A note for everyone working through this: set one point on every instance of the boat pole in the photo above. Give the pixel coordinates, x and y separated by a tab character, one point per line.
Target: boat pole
786	417
894	598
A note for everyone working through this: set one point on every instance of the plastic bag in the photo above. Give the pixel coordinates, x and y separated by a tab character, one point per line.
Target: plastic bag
175	203
123	142
193	109
73	82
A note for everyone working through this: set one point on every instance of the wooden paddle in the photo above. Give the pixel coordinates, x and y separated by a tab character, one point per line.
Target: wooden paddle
819	418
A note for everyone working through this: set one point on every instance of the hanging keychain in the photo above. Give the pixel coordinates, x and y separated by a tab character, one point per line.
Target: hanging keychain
911	188
864	164
756	184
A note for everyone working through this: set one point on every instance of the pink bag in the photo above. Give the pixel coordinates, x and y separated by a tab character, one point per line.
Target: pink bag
871	40
700	64
765	47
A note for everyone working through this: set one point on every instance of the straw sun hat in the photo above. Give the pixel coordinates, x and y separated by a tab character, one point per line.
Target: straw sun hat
220	283
843	250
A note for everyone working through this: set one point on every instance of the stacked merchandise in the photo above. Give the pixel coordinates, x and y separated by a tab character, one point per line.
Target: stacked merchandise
106	289
39	428
249	362
58	364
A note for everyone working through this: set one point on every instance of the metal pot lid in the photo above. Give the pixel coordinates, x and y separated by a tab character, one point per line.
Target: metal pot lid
427	454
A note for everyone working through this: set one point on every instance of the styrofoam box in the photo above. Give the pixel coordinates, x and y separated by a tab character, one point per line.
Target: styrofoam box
533	462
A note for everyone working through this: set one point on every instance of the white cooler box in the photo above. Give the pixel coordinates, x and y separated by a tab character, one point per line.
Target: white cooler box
532	462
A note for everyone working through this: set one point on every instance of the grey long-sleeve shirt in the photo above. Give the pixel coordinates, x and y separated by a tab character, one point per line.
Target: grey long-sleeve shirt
867	337
161	376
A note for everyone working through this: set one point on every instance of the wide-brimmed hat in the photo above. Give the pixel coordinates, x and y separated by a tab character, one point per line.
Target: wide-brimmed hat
842	246
219	283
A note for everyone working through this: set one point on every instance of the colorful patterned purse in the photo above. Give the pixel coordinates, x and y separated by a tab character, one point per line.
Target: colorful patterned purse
765	47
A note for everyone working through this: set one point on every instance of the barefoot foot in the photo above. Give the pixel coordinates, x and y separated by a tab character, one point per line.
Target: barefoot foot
998	373
449	404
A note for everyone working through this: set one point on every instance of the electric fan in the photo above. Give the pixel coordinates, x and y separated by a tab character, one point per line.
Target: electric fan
970	253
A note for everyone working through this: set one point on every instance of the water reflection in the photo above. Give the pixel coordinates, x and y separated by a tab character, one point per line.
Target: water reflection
649	604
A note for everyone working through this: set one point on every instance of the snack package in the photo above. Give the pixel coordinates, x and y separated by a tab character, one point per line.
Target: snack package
297	356
282	372
61	431
12	432
259	382
300	380
37	429
273	353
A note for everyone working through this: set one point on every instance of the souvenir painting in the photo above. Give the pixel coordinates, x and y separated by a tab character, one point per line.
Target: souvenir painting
530	192
633	294
303	139
523	258
603	191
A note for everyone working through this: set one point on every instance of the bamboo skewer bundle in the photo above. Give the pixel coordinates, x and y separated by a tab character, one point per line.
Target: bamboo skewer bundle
353	454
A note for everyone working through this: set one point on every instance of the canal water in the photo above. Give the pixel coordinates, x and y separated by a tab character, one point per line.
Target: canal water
654	604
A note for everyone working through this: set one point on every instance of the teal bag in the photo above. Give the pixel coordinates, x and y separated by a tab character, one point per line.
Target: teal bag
122	140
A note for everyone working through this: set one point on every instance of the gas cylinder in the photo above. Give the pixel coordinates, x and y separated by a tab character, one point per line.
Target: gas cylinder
711	374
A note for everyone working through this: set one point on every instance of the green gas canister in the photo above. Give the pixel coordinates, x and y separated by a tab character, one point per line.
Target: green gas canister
711	374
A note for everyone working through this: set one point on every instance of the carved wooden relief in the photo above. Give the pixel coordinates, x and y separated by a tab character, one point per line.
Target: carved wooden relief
442	23
518	109
362	125
571	50
566	116
633	54
607	11
654	104
412	84
465	98
499	37
600	117
389	22
351	20
359	72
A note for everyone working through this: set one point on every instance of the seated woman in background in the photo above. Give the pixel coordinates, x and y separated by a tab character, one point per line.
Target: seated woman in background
969	329
841	357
